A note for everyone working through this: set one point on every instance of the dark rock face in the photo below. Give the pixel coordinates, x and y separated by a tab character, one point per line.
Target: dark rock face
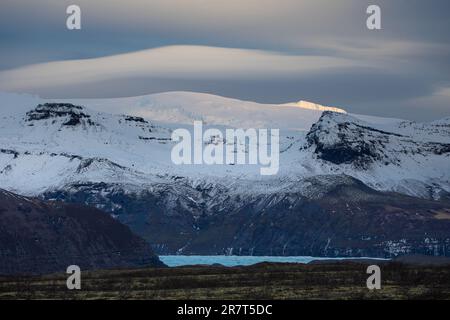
38	237
135	119
347	219
338	140
73	114
167	211
342	139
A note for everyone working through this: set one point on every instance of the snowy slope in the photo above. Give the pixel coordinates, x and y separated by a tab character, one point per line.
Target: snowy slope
51	147
185	107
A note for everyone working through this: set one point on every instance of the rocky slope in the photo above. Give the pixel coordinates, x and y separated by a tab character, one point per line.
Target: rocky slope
322	216
38	237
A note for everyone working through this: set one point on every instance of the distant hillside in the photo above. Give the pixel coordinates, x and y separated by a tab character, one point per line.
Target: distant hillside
38	237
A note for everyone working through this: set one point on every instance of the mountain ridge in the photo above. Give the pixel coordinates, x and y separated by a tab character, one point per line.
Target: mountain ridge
121	164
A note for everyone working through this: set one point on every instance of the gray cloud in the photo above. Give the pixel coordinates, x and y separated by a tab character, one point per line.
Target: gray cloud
406	64
172	62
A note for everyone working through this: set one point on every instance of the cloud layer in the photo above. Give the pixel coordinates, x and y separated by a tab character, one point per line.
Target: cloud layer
173	62
283	50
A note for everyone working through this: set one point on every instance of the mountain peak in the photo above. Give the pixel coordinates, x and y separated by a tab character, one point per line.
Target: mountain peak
340	138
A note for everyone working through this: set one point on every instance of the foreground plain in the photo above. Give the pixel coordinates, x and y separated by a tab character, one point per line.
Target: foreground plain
344	280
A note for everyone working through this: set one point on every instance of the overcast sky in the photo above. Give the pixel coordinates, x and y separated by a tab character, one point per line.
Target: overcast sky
263	50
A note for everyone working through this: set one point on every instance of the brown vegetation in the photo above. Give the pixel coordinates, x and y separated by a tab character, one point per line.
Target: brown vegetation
263	281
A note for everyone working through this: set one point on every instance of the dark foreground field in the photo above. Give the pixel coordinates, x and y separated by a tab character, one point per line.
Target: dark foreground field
263	281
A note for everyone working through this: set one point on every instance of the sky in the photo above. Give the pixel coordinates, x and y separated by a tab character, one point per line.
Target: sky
272	51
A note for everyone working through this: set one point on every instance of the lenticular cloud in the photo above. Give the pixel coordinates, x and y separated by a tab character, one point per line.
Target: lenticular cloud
172	62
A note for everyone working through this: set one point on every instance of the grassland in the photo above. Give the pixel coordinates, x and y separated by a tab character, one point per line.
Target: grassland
263	281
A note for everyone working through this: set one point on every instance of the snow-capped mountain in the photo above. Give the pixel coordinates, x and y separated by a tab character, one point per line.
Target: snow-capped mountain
47	145
115	154
186	107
